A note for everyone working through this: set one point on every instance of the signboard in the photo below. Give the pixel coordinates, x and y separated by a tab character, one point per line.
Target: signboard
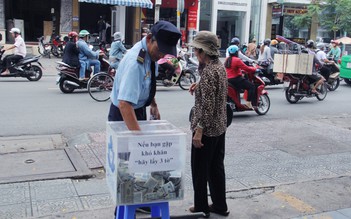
154	154
230	5
277	10
294	11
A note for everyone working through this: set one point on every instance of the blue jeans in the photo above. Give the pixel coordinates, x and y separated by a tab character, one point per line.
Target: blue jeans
86	64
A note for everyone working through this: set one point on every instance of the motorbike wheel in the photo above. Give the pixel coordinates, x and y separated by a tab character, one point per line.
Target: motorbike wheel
100	87
186	80
289	95
55	52
322	90
347	81
263	105
35	73
64	88
333	85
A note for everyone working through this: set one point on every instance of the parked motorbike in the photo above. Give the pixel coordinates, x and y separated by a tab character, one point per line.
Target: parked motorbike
299	86
68	76
24	68
263	102
57	46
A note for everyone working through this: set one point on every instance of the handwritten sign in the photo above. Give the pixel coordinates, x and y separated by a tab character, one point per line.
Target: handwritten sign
154	153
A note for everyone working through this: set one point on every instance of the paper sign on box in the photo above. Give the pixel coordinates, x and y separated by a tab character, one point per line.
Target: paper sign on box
293	63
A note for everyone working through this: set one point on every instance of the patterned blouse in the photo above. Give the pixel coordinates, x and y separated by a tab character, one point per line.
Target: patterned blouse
210	110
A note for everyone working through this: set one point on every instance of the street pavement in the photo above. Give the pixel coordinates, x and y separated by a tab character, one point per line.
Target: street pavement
276	168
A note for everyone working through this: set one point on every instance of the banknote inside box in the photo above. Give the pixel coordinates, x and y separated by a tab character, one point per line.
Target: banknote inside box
145	166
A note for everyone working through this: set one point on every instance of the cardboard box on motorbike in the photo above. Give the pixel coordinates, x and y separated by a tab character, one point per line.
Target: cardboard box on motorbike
293	63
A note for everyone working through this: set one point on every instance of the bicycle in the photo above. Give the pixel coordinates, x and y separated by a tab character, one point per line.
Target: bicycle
100	86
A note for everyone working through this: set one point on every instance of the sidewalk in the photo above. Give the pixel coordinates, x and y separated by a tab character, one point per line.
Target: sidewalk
279	176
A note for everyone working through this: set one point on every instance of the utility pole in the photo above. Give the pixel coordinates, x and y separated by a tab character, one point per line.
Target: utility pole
180	9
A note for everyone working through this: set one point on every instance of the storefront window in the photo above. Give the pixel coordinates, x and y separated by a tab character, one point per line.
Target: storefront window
205	14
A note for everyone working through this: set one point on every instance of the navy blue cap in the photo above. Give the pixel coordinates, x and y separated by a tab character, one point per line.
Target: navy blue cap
167	36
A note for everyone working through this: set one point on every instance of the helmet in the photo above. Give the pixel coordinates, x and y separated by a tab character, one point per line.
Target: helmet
72	34
15	30
117	36
310	44
233	49
267	42
235	41
334	41
83	33
274	42
321	46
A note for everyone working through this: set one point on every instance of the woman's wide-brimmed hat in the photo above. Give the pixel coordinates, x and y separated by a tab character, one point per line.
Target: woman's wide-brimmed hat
207	41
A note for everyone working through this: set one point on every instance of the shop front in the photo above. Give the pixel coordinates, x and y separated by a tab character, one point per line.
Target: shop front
122	15
226	18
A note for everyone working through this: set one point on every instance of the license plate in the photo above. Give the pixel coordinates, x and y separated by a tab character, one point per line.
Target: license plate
348	65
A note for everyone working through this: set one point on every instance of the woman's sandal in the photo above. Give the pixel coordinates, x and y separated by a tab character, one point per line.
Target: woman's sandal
193	210
223	213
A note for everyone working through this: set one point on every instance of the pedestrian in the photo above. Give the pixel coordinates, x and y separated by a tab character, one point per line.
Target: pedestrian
117	50
251	49
101	25
209	124
19	53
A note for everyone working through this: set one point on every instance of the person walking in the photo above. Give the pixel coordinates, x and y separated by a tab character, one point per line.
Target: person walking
209	124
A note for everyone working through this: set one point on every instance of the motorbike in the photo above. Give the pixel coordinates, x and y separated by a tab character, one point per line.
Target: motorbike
298	86
24	68
261	107
68	76
170	75
57	46
269	77
332	80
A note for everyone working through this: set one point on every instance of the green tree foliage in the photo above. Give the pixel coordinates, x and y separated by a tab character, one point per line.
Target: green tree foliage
333	15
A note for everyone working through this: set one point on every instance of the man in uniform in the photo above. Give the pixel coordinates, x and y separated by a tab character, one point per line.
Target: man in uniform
135	81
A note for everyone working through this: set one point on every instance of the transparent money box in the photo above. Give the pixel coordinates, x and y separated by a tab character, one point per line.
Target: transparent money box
145	166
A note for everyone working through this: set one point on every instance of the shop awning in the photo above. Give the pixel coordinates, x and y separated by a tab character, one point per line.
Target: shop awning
133	3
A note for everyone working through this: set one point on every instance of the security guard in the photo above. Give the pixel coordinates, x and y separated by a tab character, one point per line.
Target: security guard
135	81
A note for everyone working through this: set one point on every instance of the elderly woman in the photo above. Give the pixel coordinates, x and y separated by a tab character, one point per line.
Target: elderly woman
117	50
208	125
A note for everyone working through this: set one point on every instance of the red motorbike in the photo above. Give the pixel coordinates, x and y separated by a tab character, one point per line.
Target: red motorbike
57	46
299	86
263	103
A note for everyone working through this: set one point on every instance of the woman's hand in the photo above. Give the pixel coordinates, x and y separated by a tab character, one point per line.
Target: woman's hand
192	88
197	138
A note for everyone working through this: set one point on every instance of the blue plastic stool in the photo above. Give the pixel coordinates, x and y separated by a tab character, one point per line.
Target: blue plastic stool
159	209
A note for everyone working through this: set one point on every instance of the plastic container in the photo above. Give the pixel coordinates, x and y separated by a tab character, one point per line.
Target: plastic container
145	166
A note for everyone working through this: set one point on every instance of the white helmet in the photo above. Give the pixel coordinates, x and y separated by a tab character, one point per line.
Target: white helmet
15	30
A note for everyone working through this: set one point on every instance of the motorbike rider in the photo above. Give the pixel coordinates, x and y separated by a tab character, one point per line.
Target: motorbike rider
71	51
274	48
264	58
87	57
19	53
236	41
117	50
335	51
328	66
315	75
234	67
251	49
